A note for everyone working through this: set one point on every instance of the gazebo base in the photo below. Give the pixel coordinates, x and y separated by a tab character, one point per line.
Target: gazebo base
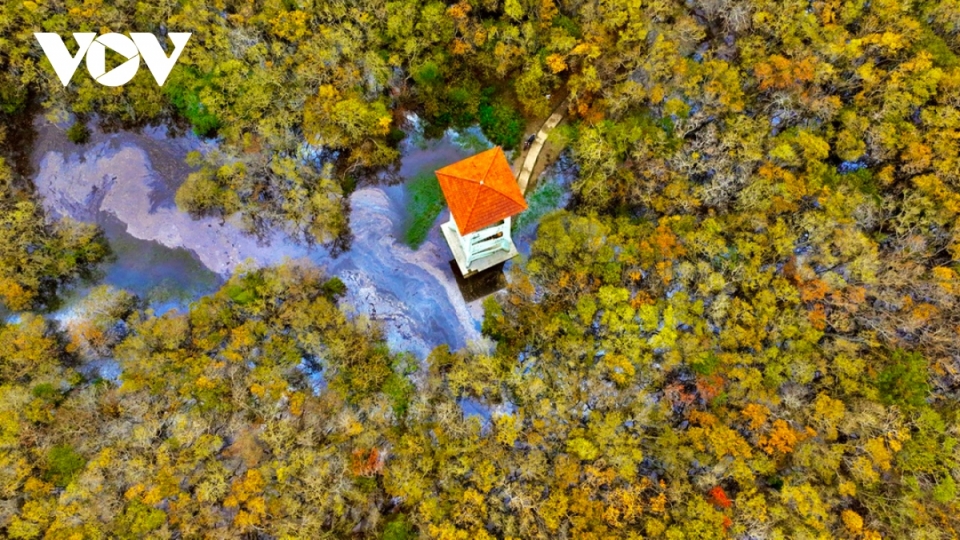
478	265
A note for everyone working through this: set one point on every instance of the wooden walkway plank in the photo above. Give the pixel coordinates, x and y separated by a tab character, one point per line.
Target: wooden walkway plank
531	160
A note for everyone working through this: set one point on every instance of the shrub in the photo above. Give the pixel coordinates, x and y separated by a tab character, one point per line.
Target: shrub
583	449
428	74
63	464
502	124
334	288
183	90
719	497
139	519
45	391
426	203
399	529
945	490
398	387
544	200
904	380
78	133
13	94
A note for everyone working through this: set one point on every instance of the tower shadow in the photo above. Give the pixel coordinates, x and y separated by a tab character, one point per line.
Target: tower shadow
480	284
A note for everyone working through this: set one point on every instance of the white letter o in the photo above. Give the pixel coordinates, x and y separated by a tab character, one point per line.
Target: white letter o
96	59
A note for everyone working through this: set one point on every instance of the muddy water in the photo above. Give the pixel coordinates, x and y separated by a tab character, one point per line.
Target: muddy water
153	271
126	181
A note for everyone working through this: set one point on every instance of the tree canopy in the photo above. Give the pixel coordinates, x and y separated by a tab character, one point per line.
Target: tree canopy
745	323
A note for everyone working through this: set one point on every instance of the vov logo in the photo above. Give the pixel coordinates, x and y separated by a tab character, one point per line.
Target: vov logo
139	44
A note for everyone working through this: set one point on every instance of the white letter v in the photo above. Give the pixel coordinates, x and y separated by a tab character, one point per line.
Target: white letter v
157	61
64	64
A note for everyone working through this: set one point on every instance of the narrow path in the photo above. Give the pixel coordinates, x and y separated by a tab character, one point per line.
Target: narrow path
531	159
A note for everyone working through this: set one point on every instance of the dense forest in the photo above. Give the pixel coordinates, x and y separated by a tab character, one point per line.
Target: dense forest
745	324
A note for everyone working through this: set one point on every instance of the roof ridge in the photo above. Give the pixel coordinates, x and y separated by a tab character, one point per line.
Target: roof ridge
489	166
473	206
493	160
495	152
457	177
523	200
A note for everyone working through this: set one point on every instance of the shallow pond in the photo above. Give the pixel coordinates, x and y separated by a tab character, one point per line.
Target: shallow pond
152	271
126	181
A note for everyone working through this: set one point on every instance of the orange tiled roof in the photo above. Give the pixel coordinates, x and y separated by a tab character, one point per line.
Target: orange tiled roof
481	190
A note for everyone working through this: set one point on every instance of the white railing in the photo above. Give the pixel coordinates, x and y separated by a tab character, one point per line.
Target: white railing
485	242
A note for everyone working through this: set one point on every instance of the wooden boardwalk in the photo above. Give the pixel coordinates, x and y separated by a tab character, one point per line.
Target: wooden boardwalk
530	161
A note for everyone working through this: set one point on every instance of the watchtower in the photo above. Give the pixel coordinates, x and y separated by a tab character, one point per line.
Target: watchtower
482	195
